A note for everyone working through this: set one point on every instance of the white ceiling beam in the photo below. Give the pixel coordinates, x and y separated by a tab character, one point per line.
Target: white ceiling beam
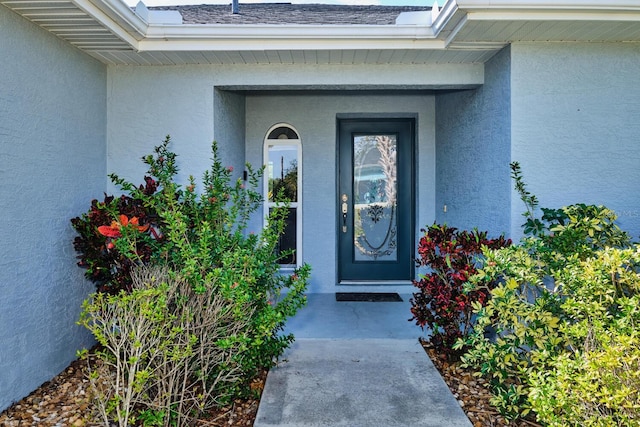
247	44
298	37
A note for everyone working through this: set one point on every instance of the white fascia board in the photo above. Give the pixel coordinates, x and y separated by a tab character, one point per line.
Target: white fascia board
550	10
449	22
223	45
251	37
608	5
117	17
455	13
564	15
449	15
289	31
458	12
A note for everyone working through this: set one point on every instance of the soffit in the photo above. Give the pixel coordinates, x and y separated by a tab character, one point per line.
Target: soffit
68	21
109	35
539	30
111	32
306	57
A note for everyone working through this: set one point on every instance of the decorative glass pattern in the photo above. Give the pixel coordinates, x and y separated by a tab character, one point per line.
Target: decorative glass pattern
375	197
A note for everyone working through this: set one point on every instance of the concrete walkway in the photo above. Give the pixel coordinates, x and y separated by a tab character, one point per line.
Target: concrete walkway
356	364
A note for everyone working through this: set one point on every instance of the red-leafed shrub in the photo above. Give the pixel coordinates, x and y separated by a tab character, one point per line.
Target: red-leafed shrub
441	303
108	268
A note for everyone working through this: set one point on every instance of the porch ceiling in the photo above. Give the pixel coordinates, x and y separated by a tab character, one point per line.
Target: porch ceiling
465	31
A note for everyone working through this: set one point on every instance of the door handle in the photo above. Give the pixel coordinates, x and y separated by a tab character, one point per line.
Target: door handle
345	210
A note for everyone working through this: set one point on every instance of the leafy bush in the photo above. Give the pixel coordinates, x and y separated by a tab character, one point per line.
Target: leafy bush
161	351
571	232
596	381
202	240
544	317
441	304
518	329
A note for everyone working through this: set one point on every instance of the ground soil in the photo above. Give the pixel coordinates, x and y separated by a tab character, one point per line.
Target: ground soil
64	401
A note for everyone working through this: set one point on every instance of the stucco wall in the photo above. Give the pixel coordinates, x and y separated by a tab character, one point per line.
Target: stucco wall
314	116
198	103
473	154
52	163
575	127
147	103
229	127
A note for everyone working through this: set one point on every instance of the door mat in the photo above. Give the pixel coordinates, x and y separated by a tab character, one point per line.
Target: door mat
368	296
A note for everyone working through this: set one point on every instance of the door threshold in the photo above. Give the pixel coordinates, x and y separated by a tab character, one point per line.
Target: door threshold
374	282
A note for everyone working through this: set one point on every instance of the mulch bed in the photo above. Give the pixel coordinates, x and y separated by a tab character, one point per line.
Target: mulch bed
64	401
472	392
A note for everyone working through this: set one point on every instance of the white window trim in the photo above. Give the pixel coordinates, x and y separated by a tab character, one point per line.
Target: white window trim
298	204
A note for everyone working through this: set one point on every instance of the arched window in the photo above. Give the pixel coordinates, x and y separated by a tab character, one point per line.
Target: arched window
283	174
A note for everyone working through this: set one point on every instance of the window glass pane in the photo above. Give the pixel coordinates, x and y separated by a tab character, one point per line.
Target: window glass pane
288	239
282	170
375	189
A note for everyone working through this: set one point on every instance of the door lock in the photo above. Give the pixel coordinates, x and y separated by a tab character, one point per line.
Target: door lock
345	210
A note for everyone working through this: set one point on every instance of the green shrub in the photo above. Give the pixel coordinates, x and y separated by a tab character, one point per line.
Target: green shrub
517	331
562	291
596	381
161	350
205	240
201	238
595	388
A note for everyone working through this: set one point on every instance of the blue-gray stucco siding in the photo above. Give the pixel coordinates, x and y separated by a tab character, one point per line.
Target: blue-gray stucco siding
566	111
473	135
575	111
52	163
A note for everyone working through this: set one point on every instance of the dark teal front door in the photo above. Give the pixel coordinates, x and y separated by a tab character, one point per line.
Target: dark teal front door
375	200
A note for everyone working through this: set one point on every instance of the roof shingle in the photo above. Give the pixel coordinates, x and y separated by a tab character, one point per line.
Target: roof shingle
287	13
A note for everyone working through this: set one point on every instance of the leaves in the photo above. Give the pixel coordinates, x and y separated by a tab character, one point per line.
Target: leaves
563	300
199	237
442	304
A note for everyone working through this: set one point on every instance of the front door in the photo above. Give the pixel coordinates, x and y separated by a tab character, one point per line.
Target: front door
375	200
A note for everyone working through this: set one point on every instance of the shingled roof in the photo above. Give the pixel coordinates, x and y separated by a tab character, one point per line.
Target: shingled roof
287	13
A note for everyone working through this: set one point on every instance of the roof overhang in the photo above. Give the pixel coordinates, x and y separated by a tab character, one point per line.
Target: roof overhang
294	37
461	31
